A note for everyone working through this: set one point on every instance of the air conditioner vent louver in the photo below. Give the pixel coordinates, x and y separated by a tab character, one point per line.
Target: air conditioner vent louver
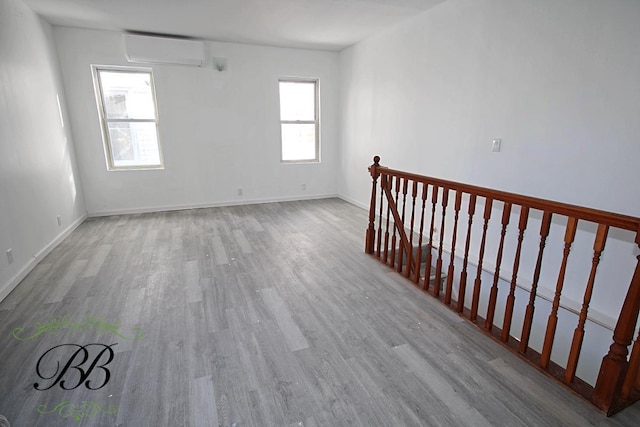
164	50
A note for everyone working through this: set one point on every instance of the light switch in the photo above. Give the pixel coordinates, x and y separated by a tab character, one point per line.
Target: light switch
496	145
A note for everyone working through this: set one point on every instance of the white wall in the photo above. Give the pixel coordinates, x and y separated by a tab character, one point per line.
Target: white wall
556	80
219	131
38	179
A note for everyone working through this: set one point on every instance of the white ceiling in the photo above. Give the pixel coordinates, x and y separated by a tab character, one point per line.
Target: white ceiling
313	24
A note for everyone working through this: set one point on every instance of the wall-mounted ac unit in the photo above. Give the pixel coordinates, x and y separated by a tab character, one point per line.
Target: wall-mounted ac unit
164	50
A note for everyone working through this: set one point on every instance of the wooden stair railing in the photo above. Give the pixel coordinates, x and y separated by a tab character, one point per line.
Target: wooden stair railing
403	246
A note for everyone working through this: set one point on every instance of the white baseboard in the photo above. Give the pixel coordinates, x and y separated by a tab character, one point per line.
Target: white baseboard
6	288
353	202
208	205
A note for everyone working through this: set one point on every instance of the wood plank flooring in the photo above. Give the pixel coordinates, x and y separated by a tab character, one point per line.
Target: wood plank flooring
264	315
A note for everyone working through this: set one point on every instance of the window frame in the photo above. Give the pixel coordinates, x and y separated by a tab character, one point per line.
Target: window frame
316	121
104	121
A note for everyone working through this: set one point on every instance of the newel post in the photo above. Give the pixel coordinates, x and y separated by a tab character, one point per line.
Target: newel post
614	365
371	231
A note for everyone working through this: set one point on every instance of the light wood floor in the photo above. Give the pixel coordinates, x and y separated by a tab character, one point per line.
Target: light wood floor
265	315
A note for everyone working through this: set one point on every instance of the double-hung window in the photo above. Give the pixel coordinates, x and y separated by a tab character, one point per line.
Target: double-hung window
299	121
127	107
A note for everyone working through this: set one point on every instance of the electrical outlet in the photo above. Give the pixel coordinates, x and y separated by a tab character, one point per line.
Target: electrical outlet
59	220
496	145
303	186
239	191
10	256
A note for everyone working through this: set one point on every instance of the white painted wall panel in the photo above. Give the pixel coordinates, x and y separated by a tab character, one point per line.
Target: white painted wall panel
219	131
556	80
38	177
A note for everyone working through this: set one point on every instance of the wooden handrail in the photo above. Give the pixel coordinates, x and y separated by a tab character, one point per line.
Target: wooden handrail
611	219
618	380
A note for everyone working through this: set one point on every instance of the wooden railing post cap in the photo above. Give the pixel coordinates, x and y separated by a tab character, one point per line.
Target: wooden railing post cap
373	169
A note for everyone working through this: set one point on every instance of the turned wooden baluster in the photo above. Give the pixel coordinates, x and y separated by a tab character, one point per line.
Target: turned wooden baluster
528	315
618	382
392	260
552	323
401	255
578	335
438	282
397	227
614	365
632	379
425	188
379	243
414	194
463	274
511	298
427	272
488	203
370	237
386	184
493	295
458	202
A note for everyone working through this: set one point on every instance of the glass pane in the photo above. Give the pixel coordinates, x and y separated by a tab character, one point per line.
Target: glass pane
127	95
297	100
299	142
134	144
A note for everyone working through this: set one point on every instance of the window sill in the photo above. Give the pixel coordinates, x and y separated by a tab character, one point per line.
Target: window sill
135	168
299	162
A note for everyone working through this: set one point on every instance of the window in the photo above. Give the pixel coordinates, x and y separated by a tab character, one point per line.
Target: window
127	106
299	125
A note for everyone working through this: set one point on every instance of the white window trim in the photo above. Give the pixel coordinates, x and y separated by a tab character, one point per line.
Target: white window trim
104	121
316	82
